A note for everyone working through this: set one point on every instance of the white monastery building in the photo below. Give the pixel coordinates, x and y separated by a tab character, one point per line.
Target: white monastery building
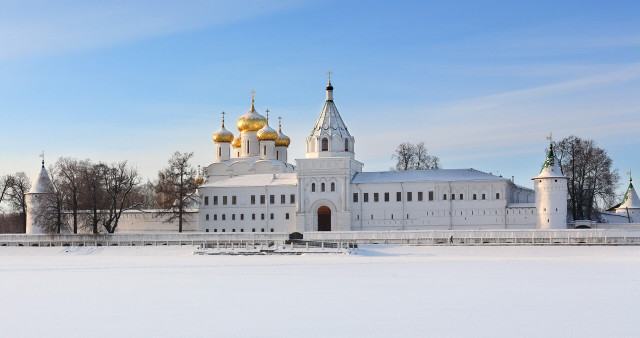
251	187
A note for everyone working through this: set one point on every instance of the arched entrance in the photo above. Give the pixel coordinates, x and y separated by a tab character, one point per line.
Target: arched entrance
324	218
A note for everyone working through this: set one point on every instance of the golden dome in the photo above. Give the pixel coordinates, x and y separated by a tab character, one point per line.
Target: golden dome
251	121
282	140
237	141
267	133
222	135
199	180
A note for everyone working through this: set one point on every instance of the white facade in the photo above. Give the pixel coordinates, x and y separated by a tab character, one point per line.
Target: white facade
40	189
255	191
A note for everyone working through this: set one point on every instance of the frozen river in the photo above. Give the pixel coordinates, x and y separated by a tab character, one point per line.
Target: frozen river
380	291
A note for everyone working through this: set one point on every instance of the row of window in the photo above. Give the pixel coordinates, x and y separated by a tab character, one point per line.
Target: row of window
325	144
323	187
376	196
233	216
450	213
234	199
234	230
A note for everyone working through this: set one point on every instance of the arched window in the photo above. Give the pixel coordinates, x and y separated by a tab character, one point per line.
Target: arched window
264	150
313	187
247	146
277	155
322	187
219	152
333	186
325	144
346	144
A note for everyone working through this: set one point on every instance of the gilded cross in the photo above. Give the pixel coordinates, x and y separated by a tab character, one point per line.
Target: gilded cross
253	92
267	114
279	121
223	118
329	72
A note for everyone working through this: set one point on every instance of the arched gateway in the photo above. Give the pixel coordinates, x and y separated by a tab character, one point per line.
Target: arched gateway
324	218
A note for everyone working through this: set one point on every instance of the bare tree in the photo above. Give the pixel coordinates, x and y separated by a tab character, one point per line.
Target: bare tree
93	195
176	187
70	184
592	179
5	185
424	161
414	157
120	184
20	185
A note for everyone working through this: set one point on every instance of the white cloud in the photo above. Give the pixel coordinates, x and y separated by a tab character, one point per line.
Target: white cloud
47	27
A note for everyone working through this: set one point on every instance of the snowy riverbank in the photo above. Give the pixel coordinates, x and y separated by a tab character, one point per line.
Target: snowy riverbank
379	291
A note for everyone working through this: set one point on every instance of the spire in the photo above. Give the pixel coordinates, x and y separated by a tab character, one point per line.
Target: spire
329	88
330	122
630	199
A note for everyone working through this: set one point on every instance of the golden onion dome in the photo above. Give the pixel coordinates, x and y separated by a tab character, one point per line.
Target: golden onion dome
199	180
237	142
222	135
251	121
267	133
282	140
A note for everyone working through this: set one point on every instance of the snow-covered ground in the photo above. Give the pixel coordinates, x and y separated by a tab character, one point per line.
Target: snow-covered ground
382	291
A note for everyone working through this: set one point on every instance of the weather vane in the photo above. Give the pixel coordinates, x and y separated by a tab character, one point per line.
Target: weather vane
550	137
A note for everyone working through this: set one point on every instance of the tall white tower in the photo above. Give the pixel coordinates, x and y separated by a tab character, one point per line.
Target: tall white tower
551	195
630	206
41	189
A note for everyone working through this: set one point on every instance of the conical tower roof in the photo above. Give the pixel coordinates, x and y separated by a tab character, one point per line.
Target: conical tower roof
330	122
551	167
630	199
42	183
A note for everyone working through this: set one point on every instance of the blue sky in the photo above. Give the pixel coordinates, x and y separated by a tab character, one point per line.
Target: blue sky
481	83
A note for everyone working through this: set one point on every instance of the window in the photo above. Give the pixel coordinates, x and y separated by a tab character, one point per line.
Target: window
271	229
430	195
461	197
264	150
375	197
286	216
262	199
272	199
391	216
224	200
355	197
233	217
497	195
399	196
409	196
271	216
223	230
325	144
234	200
420	196
219	152
224	217
365	197
277	155
371	216
292	199
262	230
386	197
253	230
453	197
234	230
206	217
283	199
253	216
242	217
444	197
206	200
215	200
215	217
262	216
247	146
215	230
322	186
346	145
484	197
333	186
241	230
474	197
313	187
253	199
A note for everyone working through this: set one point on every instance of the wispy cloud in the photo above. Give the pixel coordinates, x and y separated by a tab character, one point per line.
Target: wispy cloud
37	27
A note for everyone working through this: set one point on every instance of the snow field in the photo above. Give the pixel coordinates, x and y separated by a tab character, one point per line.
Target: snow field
380	291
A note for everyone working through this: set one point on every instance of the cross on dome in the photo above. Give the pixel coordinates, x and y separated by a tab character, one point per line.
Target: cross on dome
223	118
329	72
267	114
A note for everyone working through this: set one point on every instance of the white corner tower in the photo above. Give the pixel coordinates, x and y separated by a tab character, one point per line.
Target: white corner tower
41	189
551	194
630	206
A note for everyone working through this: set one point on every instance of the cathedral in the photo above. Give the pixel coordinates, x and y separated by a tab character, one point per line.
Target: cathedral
251	187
